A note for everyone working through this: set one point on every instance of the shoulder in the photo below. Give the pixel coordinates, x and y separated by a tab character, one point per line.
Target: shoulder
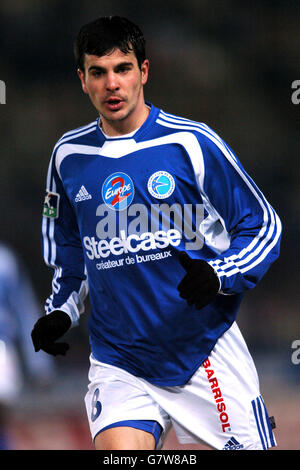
176	123
77	133
78	137
208	139
209	142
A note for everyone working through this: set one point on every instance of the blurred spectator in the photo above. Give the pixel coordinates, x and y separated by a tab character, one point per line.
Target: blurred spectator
19	364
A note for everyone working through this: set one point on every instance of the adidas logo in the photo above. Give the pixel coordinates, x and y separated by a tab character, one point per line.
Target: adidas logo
82	195
233	444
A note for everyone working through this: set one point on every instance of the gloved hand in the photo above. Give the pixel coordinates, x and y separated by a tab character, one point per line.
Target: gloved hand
201	284
48	329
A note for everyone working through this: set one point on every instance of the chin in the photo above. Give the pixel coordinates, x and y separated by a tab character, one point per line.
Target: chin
117	116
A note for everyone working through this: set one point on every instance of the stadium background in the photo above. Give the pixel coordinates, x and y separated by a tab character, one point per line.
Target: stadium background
230	64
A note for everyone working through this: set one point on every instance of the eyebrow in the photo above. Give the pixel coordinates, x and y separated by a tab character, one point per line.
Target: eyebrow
98	68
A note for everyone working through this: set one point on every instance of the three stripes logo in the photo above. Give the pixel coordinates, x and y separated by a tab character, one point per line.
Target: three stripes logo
233	444
82	195
264	423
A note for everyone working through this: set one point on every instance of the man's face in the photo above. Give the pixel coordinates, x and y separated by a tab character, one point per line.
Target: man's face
114	83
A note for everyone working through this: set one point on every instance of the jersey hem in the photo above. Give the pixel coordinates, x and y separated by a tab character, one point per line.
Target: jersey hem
172	382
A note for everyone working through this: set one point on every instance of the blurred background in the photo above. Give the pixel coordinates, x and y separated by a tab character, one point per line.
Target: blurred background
229	64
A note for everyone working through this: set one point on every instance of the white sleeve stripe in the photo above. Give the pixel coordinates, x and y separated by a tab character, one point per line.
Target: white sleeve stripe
48	224
51	230
256	240
257	261
240	259
267	250
46	221
49	244
66	139
199	125
45	240
262	202
78	130
55	284
73	306
67	149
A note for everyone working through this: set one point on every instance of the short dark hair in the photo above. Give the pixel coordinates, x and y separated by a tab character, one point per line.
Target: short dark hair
107	33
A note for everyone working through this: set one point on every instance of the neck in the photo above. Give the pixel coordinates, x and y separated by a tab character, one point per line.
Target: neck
127	125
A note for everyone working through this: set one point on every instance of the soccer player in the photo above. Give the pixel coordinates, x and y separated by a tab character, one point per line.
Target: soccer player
155	216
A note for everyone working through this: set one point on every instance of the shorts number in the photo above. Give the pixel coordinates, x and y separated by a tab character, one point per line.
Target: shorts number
96	405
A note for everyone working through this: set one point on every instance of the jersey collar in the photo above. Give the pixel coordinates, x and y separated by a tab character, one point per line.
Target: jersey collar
136	135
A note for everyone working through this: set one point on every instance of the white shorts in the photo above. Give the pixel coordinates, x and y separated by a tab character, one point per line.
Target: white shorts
221	405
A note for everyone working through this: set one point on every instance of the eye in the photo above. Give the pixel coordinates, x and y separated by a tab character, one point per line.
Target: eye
124	69
97	73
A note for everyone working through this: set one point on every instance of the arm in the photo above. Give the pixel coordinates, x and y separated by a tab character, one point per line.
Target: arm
240	227
62	252
252	227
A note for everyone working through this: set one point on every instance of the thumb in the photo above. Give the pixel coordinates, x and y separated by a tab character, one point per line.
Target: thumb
185	260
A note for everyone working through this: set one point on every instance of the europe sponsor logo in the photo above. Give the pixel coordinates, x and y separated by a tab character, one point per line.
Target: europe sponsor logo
118	191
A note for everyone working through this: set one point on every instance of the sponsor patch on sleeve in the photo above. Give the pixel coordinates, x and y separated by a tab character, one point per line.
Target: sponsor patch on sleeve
51	205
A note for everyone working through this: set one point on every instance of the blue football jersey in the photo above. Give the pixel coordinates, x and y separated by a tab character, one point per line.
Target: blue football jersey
117	212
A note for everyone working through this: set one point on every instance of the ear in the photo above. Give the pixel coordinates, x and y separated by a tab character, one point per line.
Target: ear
81	76
145	71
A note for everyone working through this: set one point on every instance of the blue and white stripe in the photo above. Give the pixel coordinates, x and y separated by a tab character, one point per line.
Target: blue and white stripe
263	423
78	132
267	237
48	229
48	225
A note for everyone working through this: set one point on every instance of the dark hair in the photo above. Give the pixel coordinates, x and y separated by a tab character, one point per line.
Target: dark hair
107	33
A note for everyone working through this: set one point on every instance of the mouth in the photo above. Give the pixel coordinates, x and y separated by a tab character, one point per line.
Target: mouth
114	104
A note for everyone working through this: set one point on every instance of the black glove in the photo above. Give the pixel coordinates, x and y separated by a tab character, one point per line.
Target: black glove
201	284
48	329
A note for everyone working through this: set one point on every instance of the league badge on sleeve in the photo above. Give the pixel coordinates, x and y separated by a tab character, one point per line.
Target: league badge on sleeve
51	205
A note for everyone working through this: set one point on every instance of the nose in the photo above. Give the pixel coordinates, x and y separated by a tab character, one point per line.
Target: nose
112	83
